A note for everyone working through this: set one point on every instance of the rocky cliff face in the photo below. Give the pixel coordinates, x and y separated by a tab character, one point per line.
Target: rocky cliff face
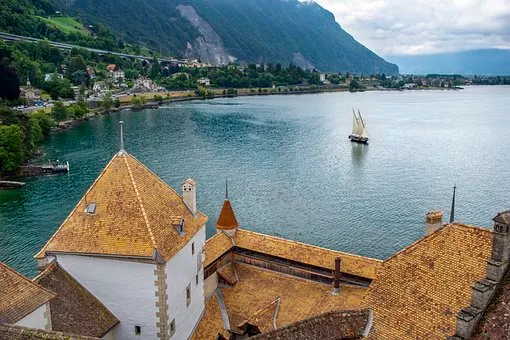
208	46
221	31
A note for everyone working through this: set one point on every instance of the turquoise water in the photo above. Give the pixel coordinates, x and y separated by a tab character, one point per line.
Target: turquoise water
292	171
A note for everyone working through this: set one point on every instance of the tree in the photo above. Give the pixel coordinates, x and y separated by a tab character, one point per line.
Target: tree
34	133
10	83
59	111
45	121
353	85
107	102
11	147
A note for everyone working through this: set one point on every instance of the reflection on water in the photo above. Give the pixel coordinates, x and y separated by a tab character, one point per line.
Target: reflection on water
358	154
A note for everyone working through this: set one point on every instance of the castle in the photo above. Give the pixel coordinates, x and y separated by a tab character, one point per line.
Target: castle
131	261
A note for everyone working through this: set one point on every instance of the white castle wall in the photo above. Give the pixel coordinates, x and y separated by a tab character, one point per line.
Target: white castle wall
35	319
181	271
126	288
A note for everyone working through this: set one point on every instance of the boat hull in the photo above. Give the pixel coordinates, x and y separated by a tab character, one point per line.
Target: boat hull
358	139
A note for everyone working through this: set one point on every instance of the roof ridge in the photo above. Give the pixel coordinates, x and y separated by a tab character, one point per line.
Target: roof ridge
140	201
159	179
436	232
260	311
309	245
43	250
28	280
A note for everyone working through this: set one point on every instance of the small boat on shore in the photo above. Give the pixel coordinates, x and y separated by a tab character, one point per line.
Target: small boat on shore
359	129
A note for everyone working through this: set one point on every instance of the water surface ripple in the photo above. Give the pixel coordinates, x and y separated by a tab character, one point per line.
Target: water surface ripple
292	171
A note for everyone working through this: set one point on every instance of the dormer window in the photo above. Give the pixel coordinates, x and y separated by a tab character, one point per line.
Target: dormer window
91	208
178	224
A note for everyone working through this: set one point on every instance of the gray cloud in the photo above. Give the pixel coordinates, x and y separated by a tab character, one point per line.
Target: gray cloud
396	27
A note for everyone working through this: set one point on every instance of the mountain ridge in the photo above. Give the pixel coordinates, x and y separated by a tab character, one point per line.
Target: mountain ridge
261	31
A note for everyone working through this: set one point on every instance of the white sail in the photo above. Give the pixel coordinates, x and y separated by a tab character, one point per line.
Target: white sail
359	129
355	123
364	131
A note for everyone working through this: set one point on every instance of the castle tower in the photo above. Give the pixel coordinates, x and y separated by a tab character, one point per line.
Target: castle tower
227	221
136	245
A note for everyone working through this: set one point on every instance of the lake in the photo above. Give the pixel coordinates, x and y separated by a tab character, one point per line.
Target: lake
291	169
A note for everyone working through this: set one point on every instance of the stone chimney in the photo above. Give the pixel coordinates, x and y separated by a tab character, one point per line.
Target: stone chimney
433	221
189	195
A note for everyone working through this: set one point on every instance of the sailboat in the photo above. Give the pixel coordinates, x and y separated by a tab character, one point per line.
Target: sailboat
359	129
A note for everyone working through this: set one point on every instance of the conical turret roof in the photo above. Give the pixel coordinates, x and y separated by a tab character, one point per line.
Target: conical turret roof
227	219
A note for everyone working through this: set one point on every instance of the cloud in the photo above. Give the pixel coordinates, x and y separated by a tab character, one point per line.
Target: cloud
396	27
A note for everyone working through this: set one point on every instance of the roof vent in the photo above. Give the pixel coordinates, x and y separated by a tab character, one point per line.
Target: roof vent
178	224
91	208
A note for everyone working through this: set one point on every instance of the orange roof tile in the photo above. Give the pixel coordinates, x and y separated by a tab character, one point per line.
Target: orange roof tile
305	253
133	216
292	250
227	219
19	296
419	290
257	288
216	246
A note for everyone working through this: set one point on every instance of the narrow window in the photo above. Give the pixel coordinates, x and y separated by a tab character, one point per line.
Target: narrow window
138	330
172	327
188	295
193	248
196	279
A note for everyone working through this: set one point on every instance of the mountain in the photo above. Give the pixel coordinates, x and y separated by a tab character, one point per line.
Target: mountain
220	31
482	62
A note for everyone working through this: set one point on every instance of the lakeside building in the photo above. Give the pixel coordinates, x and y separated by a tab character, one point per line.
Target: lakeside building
131	261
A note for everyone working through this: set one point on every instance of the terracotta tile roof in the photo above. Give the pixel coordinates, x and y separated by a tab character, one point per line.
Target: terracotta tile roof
19	296
495	323
133	216
263	319
257	288
211	323
216	246
227	219
334	325
419	290
299	298
74	310
11	332
305	253
228	274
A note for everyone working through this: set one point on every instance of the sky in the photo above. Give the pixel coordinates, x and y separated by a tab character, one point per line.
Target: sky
403	27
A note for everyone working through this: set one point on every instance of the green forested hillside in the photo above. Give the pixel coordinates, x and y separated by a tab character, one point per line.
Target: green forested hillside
251	30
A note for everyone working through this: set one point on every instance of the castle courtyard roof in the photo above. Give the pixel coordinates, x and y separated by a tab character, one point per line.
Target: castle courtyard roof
419	290
128	211
290	250
19	296
74	310
253	297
